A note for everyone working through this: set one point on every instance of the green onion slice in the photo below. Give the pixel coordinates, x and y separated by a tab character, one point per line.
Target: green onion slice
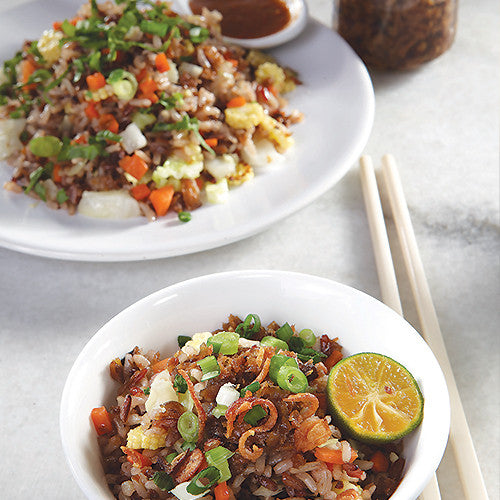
182	340
224	343
45	146
195	487
219	411
170	457
307	335
246	329
255	414
188	426
296	344
209	367
163	480
218	457
274	342
253	387
285	332
292	379
277	361
184	216
124	84
180	385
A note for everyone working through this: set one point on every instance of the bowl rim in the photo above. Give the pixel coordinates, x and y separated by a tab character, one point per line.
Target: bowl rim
160	296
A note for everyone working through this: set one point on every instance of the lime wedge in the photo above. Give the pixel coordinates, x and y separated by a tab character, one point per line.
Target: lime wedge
374	398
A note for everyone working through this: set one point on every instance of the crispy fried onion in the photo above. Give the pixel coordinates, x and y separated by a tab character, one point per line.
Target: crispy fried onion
190	466
202	416
253	454
310	402
242	405
265	370
312	432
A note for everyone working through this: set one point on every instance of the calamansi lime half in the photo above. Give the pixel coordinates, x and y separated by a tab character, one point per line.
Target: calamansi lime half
374	398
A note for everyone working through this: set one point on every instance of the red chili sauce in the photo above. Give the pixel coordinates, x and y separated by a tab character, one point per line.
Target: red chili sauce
247	18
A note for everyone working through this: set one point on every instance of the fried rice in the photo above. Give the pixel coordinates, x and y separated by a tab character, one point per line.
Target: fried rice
130	109
218	419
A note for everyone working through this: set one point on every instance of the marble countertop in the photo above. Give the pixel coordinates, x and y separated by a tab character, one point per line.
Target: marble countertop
441	122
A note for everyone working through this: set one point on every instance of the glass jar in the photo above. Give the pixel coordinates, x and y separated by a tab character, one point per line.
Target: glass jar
397	34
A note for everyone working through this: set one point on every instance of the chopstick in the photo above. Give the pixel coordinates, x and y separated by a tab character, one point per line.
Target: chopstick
385	267
460	437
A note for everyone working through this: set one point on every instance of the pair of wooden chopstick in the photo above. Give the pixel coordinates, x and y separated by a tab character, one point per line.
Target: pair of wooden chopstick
460	438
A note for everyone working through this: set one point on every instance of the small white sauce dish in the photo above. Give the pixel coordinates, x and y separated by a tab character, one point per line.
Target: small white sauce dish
298	19
361	323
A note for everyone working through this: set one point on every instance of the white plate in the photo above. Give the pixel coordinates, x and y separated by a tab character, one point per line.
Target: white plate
361	323
338	103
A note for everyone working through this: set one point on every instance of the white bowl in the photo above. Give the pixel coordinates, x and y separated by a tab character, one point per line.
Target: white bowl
298	20
361	323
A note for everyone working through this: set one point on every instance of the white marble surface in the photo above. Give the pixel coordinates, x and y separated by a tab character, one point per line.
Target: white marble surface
441	123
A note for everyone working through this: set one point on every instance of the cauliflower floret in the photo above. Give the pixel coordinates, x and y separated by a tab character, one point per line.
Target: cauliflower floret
9	136
221	166
245	117
218	192
176	168
270	72
48	45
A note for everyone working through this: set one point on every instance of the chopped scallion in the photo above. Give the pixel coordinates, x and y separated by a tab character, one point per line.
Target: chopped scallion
247	329
180	385
163	480
224	343
253	387
277	361
196	486
274	342
307	335
219	411
184	216
182	340
285	332
209	367
292	379
255	414
187	425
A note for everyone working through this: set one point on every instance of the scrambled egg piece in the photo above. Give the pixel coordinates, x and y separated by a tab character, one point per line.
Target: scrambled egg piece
162	391
244	172
257	57
245	117
48	45
270	72
99	94
138	439
277	132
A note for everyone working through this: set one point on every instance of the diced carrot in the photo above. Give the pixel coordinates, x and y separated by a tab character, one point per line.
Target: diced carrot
101	420
96	81
56	25
236	102
91	111
161	365
333	456
161	62
56	173
161	199
333	359
140	192
75	20
142	74
80	138
380	462
222	491
212	141
148	87
136	458
234	62
134	165
28	67
108	122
